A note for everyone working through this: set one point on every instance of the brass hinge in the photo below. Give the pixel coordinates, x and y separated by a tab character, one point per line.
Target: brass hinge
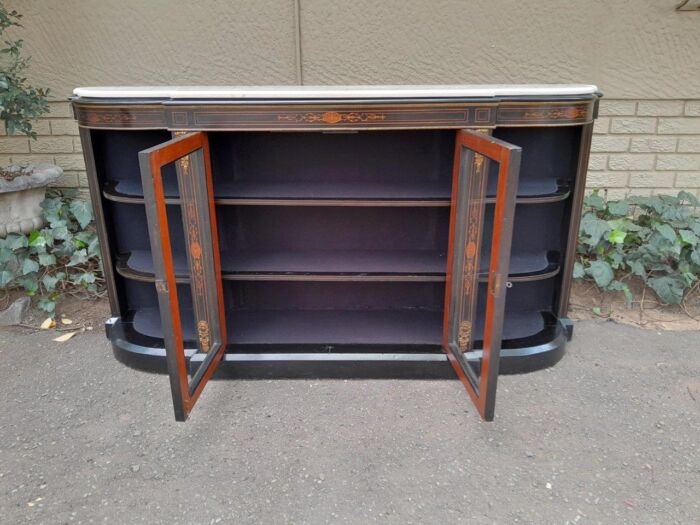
496	283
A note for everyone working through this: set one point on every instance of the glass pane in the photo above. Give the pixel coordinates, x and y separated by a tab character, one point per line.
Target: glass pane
473	249
200	318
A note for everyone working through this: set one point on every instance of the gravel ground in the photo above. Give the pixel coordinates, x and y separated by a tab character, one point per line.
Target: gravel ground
609	435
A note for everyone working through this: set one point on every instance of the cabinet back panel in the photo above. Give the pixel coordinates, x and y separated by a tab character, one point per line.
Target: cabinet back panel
547	152
536	229
130	227
319	228
369	156
116	153
335	296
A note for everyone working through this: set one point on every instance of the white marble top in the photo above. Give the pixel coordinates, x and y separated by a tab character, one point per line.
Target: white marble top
334	92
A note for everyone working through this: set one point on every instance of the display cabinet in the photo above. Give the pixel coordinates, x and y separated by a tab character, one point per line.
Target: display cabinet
385	231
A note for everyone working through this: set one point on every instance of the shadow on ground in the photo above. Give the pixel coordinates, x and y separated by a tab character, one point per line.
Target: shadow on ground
608	435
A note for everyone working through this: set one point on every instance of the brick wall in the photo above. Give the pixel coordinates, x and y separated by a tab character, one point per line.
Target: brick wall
57	142
646	147
639	146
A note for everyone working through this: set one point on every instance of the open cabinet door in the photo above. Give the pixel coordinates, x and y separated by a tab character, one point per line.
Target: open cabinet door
191	154
470	315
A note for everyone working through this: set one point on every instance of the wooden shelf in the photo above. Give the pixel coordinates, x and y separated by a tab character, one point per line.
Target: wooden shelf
525	267
335	265
336	194
311	265
302	193
338	327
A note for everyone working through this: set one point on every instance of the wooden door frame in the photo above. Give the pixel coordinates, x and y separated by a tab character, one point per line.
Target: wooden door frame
199	221
469	183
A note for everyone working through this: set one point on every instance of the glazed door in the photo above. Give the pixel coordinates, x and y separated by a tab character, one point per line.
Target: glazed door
189	155
484	183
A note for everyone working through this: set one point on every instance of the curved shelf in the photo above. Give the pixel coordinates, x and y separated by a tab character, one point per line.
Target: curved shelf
409	195
335	265
543	350
526	267
411	327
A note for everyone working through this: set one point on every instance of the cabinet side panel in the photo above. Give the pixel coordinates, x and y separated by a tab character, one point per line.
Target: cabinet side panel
100	224
575	220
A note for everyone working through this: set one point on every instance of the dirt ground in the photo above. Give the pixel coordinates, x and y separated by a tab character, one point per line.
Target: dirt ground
645	312
74	313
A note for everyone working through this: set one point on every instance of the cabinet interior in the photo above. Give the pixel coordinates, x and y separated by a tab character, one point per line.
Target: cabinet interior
340	238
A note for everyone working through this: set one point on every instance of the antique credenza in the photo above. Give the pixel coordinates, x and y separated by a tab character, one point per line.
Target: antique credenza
379	231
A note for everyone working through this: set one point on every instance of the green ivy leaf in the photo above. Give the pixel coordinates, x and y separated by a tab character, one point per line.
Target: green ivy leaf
82	211
29	266
656	203
601	272
695	255
36	239
48	305
688	197
6	278
31	285
617	236
60	230
47	259
669	289
688	237
78	257
594	201
53	211
15	241
695	226
78	243
618	286
618	208
93	246
594	227
85	279
49	282
637	268
579	273
6	255
616	260
667	231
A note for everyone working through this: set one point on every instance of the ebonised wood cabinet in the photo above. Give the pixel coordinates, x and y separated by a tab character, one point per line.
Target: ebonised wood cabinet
338	232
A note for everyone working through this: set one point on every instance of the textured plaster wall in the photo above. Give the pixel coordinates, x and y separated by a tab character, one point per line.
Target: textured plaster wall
630	48
126	42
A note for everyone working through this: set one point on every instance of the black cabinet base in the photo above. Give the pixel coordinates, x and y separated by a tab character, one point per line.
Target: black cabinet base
148	354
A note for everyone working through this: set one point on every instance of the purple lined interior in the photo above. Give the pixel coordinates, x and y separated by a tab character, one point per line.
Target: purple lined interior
366	165
549	155
335	240
402	327
359	157
312	262
337	327
387	262
342	313
332	228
